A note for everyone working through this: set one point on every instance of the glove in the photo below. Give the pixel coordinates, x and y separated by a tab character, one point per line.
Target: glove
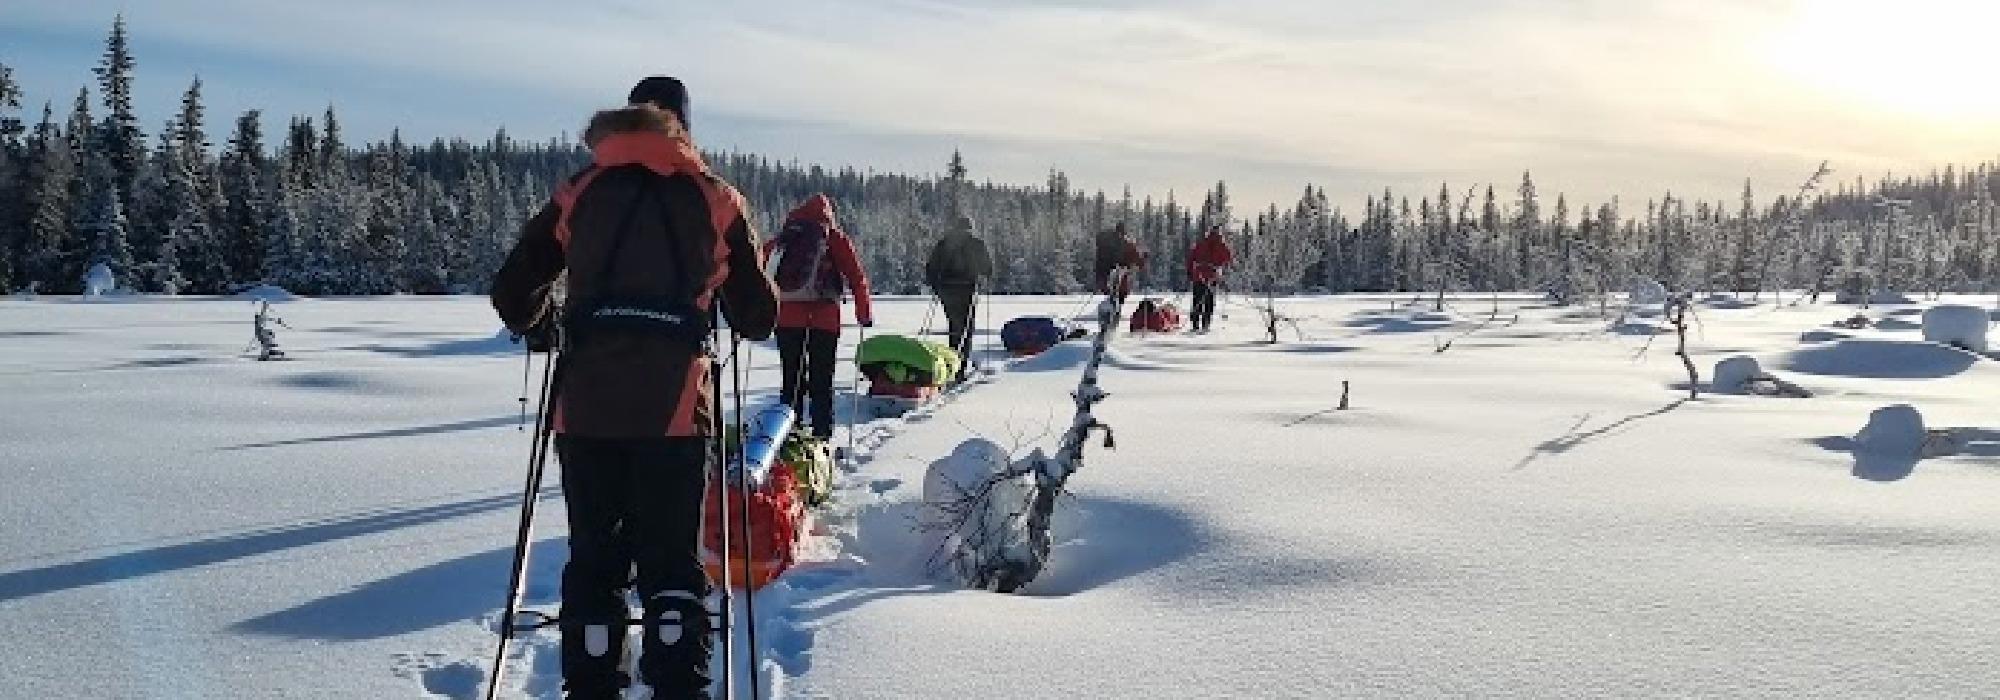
541	338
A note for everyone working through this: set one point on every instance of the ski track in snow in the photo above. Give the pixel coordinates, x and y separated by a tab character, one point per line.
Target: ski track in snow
1527	513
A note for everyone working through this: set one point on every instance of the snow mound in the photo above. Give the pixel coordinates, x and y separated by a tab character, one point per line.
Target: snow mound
1880	359
1892	431
99	281
1956	325
1733	374
266	292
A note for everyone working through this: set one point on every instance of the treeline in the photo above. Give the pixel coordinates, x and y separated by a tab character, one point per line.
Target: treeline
306	210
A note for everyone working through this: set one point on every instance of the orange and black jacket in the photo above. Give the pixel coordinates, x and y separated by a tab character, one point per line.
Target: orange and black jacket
683	230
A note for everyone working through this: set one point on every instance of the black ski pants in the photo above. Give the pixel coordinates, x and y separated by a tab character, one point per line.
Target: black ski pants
818	350
635	503
1202	316
958	310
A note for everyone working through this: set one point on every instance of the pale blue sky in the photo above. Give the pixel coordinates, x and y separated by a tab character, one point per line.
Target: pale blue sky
1598	97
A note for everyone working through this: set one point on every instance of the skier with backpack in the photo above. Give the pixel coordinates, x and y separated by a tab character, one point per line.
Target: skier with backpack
1204	268
814	265
651	241
1116	249
958	267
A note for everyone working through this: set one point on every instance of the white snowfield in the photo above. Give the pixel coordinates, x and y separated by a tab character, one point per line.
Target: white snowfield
1536	512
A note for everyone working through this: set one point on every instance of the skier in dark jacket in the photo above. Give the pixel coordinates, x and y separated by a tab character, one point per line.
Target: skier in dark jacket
1204	268
651	241
809	316
958	267
1115	249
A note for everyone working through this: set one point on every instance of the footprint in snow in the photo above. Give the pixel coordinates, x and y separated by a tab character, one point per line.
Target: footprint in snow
441	679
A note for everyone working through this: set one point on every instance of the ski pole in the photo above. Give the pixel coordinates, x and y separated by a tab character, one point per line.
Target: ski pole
854	393
745	488
719	472
987	316
527	364
930	312
537	460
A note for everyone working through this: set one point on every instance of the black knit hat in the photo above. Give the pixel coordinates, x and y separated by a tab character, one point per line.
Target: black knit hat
663	92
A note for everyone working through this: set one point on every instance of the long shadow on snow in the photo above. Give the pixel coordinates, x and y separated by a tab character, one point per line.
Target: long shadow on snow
187	555
1109	540
1064	356
456	427
1881	359
1871	465
496	345
1875	465
436	595
1572	438
1098	542
1422	323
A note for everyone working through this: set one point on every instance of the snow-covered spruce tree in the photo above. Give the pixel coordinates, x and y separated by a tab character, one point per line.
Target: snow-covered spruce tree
202	253
1525	230
280	259
52	172
389	207
1053	269
123	145
426	267
14	173
159	221
1785	231
246	199
102	221
1274	257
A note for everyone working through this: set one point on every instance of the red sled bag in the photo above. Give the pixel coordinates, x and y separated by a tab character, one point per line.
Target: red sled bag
1156	316
776	517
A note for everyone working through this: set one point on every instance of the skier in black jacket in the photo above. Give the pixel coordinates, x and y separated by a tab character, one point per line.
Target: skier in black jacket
958	267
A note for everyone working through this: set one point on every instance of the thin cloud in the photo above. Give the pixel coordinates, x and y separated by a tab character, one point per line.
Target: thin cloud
1599	97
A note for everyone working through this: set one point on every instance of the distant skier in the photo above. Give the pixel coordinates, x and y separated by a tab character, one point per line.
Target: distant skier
958	268
1205	264
815	265
650	238
1115	249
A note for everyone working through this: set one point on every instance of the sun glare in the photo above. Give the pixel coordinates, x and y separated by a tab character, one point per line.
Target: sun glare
1929	58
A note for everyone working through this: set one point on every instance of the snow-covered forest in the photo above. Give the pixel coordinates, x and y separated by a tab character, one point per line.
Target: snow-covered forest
169	210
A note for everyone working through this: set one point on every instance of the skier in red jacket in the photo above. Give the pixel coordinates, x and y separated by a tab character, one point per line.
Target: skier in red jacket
814	266
1204	268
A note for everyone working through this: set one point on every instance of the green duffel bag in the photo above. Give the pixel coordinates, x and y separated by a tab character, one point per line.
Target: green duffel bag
906	360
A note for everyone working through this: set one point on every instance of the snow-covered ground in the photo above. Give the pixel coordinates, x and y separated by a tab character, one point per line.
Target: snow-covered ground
1534	512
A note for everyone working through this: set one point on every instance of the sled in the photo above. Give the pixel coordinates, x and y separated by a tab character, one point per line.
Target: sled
1030	335
777	516
891	399
1156	316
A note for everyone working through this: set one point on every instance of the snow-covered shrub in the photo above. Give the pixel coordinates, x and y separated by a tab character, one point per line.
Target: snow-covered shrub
99	281
1734	374
1961	326
1741	374
977	518
1893	431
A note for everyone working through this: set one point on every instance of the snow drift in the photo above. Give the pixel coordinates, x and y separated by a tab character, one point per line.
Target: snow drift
1959	326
